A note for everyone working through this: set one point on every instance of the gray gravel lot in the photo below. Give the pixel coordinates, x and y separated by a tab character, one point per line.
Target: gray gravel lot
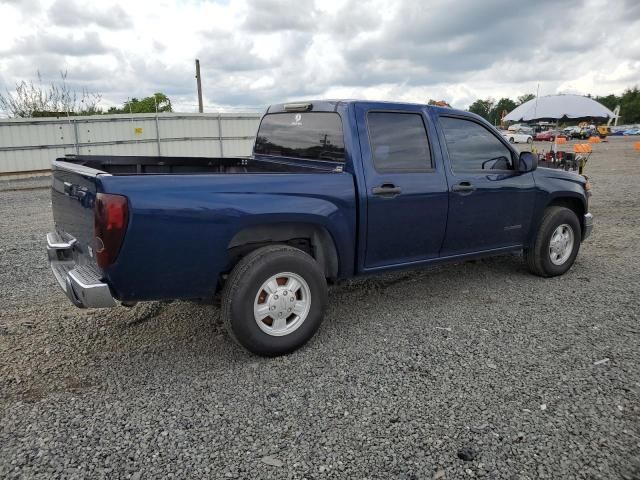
535	378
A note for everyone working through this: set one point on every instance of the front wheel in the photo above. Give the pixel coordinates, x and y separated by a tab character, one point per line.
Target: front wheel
511	140
274	300
557	243
529	140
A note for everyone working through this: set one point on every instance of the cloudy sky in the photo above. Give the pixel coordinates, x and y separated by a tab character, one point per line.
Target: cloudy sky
255	52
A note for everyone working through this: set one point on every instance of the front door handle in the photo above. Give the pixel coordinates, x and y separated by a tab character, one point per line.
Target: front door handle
463	188
386	190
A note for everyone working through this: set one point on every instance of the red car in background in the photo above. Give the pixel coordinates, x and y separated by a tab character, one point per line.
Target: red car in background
549	136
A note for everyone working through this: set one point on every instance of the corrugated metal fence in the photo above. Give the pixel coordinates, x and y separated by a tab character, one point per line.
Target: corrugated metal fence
29	145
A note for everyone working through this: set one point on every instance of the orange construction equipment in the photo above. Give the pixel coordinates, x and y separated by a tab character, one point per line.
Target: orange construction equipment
637	146
561	140
594	140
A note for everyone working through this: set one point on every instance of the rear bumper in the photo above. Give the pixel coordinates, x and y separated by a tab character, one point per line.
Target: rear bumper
81	283
587	225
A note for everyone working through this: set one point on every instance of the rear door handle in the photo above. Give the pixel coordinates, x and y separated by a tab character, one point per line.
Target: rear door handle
386	190
463	187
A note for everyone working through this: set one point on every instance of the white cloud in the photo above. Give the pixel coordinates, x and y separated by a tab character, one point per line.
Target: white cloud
254	52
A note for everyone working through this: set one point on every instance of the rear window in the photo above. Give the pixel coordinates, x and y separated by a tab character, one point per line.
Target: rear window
314	135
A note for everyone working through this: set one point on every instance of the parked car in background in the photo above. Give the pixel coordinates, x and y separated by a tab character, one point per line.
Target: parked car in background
584	133
550	136
568	131
333	190
521	128
517	137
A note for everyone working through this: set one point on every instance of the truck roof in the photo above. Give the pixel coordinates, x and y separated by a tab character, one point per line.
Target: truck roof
331	105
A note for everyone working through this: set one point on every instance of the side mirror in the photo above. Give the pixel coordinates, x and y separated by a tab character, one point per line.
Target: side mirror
527	162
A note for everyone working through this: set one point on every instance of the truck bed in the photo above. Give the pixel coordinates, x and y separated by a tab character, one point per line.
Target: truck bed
141	165
184	213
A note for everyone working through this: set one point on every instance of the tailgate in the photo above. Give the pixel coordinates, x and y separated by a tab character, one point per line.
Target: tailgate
73	194
71	247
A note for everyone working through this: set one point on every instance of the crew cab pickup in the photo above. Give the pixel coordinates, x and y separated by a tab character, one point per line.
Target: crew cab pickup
333	189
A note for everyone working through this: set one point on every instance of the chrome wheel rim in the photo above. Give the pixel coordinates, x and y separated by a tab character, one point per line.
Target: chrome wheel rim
561	244
282	304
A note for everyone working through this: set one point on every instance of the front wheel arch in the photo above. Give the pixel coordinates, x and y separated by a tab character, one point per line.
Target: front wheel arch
574	204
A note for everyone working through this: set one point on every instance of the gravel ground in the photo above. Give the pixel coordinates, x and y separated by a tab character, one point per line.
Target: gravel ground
523	377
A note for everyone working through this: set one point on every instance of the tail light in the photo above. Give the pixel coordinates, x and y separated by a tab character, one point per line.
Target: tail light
111	218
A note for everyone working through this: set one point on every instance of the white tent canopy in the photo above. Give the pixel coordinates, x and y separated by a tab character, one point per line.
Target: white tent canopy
557	107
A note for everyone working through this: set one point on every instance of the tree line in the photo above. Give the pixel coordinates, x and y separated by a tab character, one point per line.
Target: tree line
493	111
33	99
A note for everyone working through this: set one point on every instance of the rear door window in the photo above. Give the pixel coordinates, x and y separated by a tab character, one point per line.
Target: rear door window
398	142
313	135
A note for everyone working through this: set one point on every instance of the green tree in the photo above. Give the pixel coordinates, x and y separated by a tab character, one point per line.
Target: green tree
609	101
32	99
482	107
158	102
503	105
630	105
525	98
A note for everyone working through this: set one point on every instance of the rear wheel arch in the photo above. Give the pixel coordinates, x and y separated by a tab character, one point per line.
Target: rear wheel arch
311	238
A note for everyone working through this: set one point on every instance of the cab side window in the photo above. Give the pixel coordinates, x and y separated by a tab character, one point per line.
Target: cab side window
473	147
399	142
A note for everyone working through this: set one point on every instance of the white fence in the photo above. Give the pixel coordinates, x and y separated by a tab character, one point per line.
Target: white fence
29	145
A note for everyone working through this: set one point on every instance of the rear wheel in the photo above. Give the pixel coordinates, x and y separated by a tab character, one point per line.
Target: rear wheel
529	140
557	243
274	300
511	140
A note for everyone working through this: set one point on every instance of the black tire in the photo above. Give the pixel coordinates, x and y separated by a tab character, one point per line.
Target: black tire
244	284
511	140
529	140
537	257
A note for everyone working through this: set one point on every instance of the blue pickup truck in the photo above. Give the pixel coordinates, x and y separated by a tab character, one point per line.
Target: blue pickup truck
333	189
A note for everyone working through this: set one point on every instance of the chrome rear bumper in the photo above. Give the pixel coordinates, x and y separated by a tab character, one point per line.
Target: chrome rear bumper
81	283
587	225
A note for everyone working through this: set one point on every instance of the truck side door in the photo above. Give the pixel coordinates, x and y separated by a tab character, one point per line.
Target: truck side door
490	203
407	197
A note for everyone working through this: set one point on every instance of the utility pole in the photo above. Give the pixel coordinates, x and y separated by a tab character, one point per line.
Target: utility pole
199	82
